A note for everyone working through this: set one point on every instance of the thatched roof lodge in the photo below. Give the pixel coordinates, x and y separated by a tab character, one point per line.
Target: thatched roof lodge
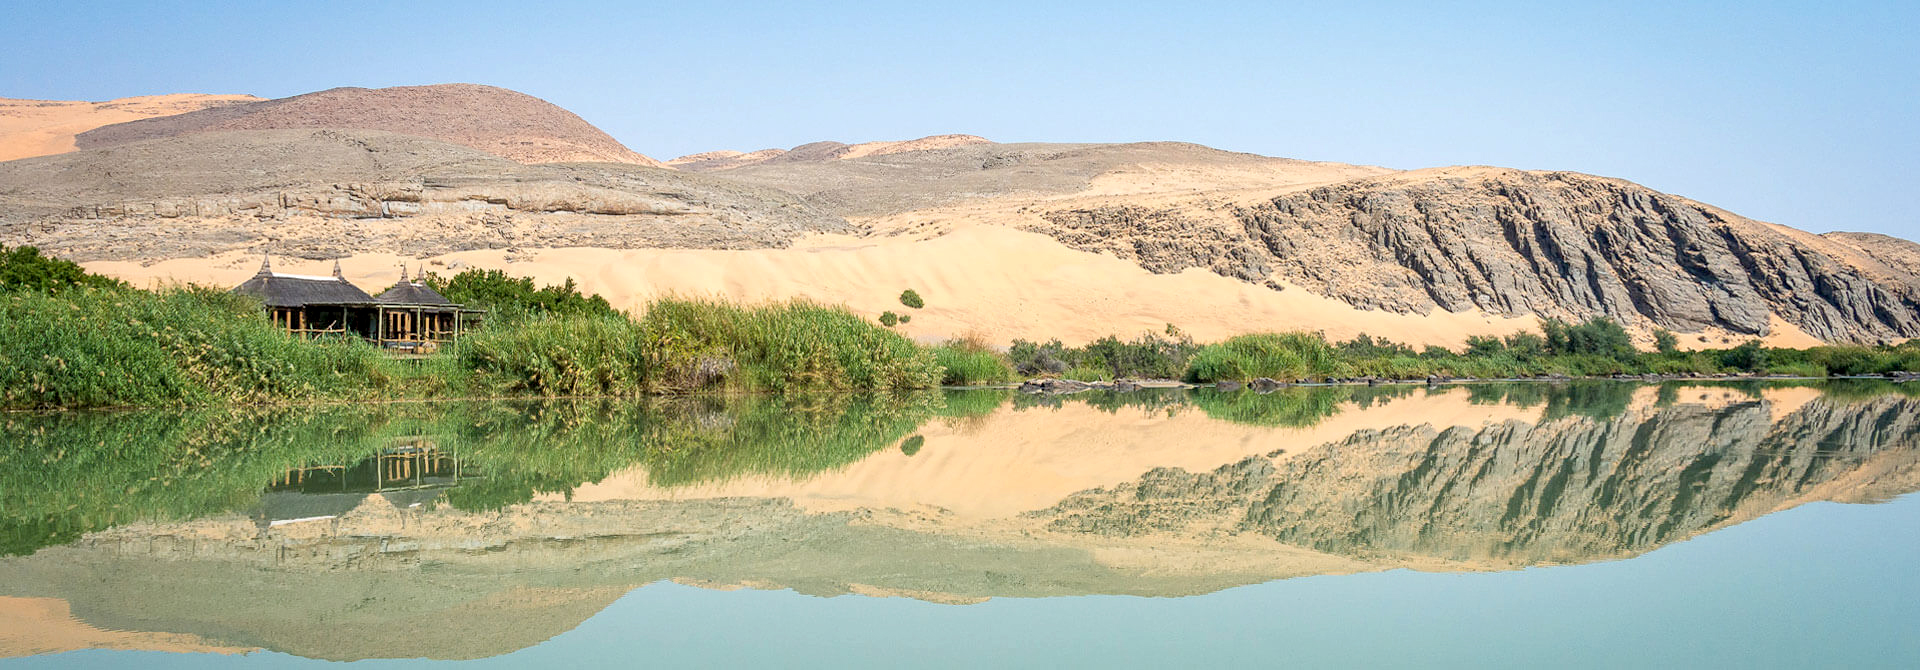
406	316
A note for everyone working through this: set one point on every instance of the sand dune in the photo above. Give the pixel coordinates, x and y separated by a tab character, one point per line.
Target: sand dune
995	281
31	128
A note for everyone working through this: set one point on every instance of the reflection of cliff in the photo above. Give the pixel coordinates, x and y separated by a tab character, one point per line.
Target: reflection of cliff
1566	490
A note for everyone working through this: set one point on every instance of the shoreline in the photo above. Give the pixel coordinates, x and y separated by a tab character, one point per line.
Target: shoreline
1018	387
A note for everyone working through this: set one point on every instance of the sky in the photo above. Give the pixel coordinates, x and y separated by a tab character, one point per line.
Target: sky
1798	113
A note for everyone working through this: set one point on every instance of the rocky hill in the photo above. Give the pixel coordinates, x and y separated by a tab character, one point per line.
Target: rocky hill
505	123
324	193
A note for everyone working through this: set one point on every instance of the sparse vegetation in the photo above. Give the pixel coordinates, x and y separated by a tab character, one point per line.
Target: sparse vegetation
889	319
912	299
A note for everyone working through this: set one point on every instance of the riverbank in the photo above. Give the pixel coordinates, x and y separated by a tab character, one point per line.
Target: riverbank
71	340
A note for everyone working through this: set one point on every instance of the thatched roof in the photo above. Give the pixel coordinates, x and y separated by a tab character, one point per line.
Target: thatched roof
281	290
413	293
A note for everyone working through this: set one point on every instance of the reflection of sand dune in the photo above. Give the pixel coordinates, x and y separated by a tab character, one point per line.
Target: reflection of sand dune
46	626
1022	460
1425	481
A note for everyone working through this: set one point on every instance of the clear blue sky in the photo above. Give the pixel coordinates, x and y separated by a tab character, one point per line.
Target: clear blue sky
1798	113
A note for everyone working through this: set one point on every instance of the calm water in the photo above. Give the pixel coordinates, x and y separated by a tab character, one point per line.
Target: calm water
1590	524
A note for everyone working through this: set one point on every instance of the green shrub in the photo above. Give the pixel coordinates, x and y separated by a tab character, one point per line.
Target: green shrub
889	319
1280	356
1598	336
964	363
1750	356
510	299
912	299
24	269
1664	341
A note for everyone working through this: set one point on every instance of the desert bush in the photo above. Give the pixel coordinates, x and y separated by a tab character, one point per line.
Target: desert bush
912	299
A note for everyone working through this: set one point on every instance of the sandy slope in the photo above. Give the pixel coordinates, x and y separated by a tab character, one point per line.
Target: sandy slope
45	127
995	281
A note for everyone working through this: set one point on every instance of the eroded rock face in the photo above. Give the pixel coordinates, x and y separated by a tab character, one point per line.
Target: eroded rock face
1513	242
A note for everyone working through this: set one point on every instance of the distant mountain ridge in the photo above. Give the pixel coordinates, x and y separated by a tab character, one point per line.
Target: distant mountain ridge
818	151
505	123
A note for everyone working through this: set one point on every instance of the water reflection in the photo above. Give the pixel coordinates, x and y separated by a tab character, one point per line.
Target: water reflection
520	519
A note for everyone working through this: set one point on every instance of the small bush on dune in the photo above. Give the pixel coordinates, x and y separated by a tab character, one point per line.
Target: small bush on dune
912	299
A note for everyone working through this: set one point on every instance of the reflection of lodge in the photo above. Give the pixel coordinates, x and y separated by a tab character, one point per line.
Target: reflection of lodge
410	315
418	464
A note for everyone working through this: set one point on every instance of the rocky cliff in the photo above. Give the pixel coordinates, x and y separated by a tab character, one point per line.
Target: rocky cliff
1514	242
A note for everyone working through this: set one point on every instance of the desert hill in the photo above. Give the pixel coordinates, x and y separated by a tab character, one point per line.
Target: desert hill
31	128
324	193
495	120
